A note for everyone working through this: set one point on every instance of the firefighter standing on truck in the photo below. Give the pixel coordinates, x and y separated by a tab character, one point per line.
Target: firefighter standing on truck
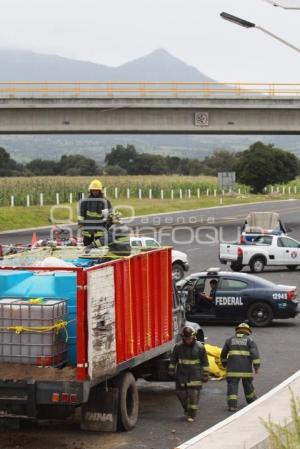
240	357
189	366
94	216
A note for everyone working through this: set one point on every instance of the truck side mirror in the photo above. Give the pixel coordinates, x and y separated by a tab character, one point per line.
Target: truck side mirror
183	295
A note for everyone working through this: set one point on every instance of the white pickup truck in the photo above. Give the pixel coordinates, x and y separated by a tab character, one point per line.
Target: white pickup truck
265	250
180	262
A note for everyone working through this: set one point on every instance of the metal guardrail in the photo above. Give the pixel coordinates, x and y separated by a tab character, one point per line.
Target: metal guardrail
126	89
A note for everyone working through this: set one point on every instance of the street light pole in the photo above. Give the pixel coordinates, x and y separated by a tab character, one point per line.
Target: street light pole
271	2
278	38
247	24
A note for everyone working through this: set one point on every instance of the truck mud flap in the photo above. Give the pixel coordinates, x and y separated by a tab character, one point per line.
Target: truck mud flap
17	399
100	414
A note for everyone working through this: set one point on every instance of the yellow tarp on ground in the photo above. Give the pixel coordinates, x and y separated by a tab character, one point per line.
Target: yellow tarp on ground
214	360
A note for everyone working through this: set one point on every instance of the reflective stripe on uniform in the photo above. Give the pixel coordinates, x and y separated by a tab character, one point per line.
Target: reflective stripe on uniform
99	234
237	352
232	397
188	362
94	214
193	407
124	239
87	234
236	374
194	383
171	366
250	395
256	361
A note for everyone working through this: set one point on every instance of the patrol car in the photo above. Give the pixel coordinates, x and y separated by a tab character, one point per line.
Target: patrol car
237	297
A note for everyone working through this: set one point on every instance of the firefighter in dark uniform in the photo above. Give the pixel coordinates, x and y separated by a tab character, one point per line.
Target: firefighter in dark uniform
94	216
189	366
240	357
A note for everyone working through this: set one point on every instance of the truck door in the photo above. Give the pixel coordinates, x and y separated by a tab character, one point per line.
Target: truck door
101	322
230	298
288	251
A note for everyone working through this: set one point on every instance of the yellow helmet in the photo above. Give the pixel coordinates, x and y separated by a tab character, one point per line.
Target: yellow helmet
95	185
244	327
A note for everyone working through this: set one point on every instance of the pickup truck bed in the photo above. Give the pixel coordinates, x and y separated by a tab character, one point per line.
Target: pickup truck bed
265	250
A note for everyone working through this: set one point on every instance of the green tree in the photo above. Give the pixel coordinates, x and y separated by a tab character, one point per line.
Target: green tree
149	164
173	164
195	167
84	166
8	166
219	161
4	157
122	156
262	165
40	167
115	170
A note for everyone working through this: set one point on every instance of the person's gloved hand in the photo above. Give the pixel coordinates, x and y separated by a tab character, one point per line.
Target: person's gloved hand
205	377
89	247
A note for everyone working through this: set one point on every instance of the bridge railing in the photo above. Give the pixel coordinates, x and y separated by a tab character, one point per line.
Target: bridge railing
126	89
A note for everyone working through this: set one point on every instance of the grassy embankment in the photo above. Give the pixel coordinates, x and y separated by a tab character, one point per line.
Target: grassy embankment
28	217
21	216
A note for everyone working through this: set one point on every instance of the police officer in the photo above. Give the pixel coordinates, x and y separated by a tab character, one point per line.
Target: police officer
206	302
189	366
213	288
94	215
240	357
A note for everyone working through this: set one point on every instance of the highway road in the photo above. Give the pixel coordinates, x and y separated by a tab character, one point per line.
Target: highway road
161	425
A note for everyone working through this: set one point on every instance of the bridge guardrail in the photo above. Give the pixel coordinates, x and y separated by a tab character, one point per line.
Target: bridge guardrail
127	89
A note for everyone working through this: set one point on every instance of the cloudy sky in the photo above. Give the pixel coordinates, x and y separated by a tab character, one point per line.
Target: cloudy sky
112	32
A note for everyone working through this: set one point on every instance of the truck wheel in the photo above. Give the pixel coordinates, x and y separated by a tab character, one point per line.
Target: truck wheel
260	314
236	266
177	272
257	265
292	267
128	402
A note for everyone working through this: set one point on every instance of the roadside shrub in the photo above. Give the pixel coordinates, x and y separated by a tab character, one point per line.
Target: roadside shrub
286	436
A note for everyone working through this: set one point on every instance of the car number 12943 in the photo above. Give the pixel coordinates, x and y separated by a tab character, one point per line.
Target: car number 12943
280	296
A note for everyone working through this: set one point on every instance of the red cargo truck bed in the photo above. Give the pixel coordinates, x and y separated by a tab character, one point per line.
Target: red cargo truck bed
124	317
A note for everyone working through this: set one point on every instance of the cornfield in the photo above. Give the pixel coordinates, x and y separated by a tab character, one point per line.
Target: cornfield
20	187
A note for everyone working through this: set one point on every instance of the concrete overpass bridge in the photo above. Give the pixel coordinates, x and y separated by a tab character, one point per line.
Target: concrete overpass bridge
149	108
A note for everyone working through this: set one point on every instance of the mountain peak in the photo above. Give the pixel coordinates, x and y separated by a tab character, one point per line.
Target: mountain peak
159	65
160	52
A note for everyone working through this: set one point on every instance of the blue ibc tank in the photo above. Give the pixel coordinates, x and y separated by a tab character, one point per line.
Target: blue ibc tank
27	284
85	262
